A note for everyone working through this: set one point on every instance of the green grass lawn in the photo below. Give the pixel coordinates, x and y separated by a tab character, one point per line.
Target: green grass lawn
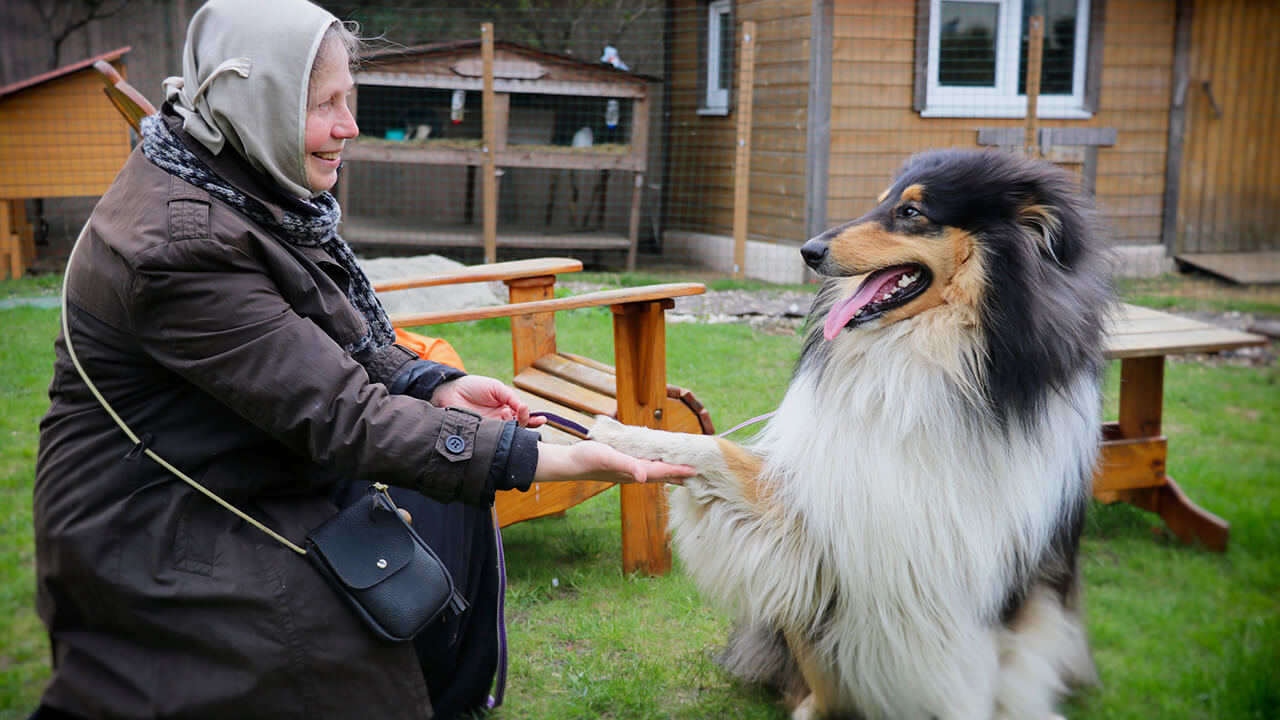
1178	632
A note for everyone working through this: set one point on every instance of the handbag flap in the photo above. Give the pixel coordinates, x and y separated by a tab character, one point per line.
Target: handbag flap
365	543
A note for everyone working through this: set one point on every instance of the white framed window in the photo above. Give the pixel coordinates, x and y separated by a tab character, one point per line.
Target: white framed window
718	77
977	60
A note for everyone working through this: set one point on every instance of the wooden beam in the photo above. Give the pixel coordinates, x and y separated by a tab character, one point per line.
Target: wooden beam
742	160
640	356
490	147
484	273
817	156
921	74
1177	127
1035	55
10	246
1129	464
593	299
640	152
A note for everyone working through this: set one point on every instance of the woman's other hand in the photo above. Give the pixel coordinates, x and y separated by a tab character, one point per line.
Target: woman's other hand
591	460
486	396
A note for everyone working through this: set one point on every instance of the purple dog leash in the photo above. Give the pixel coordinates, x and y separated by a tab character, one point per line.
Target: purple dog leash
500	684
574	427
563	423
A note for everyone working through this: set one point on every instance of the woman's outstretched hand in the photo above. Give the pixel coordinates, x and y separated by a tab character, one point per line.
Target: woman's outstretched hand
486	396
591	460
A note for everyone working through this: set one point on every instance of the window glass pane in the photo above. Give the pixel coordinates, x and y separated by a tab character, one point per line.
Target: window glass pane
1059	56
726	51
967	46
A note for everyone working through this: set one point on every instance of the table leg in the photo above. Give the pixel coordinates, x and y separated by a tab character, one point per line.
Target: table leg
1141	410
1141	396
640	355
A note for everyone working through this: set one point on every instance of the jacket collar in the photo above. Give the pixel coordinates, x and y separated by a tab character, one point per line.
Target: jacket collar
235	170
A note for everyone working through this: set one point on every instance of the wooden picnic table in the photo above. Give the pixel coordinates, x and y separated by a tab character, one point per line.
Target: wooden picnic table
1134	449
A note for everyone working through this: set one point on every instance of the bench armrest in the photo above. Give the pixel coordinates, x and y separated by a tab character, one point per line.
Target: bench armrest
621	296
512	270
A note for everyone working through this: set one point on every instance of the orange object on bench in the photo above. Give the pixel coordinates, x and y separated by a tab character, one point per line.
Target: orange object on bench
430	348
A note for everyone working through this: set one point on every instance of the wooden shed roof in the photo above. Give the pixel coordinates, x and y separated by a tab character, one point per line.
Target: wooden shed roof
62	71
607	73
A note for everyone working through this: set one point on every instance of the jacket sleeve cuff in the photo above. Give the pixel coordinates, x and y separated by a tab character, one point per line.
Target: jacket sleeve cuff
421	378
515	470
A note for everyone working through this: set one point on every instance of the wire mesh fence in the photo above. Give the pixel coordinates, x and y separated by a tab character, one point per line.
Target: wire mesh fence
716	136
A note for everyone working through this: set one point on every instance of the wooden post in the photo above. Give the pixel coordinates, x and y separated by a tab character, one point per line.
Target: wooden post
640	354
532	336
344	194
17	239
490	147
1035	55
640	151
742	160
10	246
633	226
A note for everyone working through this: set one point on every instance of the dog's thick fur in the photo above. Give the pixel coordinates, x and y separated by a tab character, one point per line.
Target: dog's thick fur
901	540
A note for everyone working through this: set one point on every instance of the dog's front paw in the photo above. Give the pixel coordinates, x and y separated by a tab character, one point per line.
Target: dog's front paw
631	439
606	429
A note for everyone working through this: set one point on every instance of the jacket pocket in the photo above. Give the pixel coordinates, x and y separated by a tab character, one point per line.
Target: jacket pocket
195	537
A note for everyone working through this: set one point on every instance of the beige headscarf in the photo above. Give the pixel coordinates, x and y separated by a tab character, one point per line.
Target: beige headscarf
245	70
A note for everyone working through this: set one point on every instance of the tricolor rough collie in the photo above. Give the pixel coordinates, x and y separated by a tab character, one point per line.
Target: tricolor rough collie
900	542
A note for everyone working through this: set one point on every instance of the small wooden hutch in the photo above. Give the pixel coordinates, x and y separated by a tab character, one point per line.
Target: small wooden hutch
58	138
423	106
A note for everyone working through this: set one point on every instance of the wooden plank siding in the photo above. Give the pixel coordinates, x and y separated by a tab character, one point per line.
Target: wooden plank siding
1227	197
699	185
874	127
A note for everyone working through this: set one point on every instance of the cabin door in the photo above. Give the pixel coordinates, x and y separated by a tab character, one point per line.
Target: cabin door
1229	185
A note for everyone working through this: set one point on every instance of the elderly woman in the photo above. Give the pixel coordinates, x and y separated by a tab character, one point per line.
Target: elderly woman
212	302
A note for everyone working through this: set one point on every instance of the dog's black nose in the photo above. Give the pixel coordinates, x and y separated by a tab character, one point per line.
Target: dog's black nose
814	252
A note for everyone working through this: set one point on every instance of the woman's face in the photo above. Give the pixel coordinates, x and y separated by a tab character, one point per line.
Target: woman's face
329	120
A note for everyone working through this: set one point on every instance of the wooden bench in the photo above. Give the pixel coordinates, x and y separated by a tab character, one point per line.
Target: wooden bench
1134	449
634	390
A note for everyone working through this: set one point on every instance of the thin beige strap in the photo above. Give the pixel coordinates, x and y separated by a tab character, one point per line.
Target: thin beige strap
66	336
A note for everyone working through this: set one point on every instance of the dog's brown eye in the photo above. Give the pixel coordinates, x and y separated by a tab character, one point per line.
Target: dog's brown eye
908	211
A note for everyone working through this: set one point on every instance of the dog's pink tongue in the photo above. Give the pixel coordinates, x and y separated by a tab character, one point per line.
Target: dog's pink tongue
842	312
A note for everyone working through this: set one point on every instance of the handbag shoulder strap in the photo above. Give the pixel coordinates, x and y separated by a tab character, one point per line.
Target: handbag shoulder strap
71	352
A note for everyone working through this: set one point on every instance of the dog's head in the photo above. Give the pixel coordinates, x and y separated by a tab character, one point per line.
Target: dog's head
953	228
994	244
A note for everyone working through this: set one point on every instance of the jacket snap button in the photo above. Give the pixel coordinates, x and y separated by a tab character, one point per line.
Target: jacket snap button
382	563
455	444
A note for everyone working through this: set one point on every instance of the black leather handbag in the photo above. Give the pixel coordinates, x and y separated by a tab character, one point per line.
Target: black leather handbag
383	568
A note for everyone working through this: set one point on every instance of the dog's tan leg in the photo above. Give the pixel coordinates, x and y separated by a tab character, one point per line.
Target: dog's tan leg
824	689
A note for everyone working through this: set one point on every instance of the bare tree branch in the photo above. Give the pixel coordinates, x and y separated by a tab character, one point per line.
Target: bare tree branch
60	25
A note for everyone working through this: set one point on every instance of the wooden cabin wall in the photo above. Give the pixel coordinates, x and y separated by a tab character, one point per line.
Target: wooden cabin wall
699	176
873	125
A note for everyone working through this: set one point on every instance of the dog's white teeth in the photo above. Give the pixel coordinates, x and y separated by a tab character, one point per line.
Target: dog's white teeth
904	281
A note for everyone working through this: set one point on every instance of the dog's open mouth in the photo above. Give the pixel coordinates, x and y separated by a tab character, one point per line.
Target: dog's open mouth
880	292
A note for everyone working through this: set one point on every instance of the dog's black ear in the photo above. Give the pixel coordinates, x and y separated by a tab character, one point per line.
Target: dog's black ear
1044	227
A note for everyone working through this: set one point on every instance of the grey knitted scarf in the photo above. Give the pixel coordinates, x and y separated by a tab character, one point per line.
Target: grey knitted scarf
164	149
